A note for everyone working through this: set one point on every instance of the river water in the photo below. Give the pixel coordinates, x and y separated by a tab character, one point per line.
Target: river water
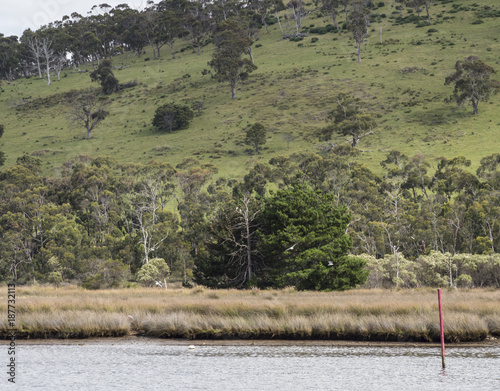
142	364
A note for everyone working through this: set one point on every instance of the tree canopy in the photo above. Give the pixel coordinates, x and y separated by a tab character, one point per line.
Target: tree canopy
231	42
349	119
304	241
104	74
172	116
473	83
256	136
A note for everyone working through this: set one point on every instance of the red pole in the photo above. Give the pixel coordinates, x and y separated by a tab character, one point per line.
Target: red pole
441	327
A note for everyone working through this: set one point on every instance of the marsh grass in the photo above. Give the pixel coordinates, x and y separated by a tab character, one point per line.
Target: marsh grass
367	315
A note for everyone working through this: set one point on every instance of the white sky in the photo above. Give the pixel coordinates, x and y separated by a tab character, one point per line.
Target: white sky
19	15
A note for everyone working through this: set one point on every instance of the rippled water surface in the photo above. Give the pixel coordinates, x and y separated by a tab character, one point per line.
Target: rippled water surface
159	365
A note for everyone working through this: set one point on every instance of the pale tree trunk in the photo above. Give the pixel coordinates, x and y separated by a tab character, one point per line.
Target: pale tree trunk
146	205
450	271
48	74
334	17
250	273
279	23
172	49
48	54
233	89
36	50
250	53
475	103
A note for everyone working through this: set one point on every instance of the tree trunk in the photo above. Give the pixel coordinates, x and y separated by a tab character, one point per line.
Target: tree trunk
450	271
359	51
334	17
265	24
39	68
48	72
397	269
428	15
475	103
172	50
250	54
249	242
279	24
233	89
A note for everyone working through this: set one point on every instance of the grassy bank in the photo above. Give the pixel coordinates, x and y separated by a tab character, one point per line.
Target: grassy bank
364	315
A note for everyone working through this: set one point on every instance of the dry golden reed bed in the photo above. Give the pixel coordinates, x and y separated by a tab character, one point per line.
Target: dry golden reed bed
364	315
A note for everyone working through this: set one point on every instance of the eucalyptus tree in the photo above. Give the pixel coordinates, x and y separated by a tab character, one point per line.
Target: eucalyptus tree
331	7
357	23
198	22
9	57
472	81
231	43
262	8
173	13
153	27
31	42
256	136
350	118
101	24
88	111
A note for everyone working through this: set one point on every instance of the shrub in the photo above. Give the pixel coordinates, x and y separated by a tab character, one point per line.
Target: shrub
318	30
104	74
105	274
172	117
155	270
55	278
93	282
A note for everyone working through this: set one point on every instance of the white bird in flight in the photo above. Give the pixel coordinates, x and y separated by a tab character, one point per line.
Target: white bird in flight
291	248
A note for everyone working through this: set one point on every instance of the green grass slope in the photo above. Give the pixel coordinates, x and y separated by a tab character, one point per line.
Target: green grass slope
292	91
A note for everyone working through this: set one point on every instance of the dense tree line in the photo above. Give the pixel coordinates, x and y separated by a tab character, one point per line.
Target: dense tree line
100	223
107	31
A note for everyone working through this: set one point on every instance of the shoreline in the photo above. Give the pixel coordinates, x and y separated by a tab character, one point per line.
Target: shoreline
491	342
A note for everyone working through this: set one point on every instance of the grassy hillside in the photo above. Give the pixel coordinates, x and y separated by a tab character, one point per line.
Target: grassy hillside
292	91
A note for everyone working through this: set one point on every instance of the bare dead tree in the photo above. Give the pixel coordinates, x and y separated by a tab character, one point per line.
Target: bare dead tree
146	205
36	51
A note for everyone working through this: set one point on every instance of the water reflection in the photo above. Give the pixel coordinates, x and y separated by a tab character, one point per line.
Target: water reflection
159	365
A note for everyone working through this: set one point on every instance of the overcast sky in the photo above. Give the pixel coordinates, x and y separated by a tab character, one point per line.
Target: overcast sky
18	15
